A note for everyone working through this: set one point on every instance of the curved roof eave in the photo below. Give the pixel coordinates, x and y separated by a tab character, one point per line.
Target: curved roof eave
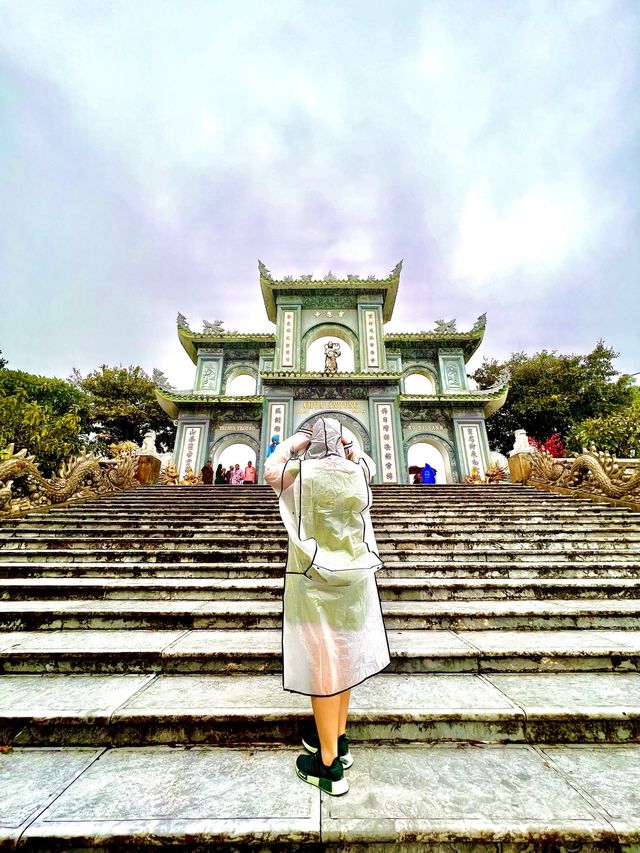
167	405
492	406
468	342
185	338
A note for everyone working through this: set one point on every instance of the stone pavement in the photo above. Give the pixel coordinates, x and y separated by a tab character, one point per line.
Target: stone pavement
141	690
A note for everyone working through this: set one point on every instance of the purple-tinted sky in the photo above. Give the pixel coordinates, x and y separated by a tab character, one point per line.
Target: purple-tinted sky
152	150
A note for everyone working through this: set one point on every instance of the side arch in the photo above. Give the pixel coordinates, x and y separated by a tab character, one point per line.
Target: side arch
443	446
216	447
235	370
418	369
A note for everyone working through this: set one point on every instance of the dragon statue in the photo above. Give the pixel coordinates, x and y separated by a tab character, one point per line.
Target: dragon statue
594	471
23	487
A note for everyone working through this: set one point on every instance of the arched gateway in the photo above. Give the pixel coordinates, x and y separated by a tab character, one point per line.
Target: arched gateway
330	355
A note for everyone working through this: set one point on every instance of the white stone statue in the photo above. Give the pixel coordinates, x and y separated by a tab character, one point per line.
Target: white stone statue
149	444
522	443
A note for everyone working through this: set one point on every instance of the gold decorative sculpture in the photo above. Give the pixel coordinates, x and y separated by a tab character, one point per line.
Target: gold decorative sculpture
494	474
169	475
23	487
474	478
592	471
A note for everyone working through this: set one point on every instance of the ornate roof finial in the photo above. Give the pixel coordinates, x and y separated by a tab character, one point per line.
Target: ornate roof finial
182	322
445	327
263	270
480	324
216	326
161	380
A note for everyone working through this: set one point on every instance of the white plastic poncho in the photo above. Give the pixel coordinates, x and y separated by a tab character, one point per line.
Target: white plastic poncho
333	636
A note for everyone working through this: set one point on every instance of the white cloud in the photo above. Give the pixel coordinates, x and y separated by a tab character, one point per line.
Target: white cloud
538	232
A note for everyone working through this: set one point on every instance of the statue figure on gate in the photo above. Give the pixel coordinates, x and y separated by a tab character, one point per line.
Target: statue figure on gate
331	353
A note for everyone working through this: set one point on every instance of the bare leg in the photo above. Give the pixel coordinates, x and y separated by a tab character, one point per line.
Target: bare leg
326	710
344	710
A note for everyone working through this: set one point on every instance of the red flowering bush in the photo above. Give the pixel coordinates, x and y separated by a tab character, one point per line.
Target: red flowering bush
553	445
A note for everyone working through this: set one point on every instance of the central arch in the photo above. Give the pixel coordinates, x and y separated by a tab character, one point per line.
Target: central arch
350	424
332	330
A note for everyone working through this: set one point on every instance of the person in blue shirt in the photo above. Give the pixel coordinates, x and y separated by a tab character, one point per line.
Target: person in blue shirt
428	475
275	441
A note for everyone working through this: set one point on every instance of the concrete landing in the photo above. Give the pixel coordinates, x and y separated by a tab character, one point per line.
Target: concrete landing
569	799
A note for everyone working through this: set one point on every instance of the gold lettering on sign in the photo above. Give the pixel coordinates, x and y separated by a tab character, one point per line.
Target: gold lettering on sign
349	405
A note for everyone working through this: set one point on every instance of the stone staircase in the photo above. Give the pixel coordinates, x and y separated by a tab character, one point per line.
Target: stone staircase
141	694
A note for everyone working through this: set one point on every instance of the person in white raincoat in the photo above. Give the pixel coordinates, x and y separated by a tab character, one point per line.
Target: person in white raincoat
333	635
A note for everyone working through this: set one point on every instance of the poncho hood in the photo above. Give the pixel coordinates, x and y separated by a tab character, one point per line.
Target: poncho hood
326	440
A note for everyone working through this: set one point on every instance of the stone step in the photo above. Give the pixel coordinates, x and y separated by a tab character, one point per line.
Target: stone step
398	540
197	553
459	797
391	589
403	530
259	651
166	615
255	498
252	710
230	500
170	496
586	568
408	528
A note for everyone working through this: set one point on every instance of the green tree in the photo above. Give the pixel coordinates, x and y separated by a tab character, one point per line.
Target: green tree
45	416
618	433
56	394
124	406
551	393
3	361
49	436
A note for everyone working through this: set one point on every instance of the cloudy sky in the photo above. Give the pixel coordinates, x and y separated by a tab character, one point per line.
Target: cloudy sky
152	150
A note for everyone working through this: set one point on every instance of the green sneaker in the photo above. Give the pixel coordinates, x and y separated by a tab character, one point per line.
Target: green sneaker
311	743
329	779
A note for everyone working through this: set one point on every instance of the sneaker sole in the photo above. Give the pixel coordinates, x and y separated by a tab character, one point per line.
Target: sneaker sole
334	789
345	760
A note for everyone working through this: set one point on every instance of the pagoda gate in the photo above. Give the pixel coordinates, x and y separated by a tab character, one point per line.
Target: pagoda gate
390	391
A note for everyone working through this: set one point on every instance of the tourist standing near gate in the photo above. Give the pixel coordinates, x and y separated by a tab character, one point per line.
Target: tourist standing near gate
333	633
249	474
207	473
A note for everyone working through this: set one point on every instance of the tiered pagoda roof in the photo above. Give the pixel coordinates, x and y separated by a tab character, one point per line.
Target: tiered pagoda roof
271	287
